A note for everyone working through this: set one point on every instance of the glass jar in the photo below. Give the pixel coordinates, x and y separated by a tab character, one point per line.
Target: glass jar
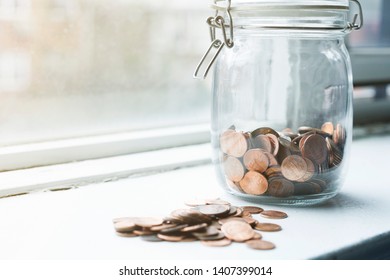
282	98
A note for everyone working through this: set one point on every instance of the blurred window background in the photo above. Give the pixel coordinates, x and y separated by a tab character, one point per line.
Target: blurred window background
74	68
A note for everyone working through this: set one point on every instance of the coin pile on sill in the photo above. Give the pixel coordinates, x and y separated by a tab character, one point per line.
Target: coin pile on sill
213	222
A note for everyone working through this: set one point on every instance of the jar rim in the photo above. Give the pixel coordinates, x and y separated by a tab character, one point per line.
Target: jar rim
297	5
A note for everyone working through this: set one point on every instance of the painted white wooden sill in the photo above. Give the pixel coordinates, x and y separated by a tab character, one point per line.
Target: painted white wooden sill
77	223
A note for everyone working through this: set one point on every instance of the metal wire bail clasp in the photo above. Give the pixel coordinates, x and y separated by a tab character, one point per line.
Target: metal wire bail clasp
353	25
216	22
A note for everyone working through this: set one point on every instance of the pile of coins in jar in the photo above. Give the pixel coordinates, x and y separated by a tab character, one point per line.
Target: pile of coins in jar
282	164
214	222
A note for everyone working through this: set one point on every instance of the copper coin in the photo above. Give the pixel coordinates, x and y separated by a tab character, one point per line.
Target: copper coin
309	172
126	234
148	221
217	243
252	222
194	228
254	183
125	226
268	227
315	149
328	128
218	236
294	167
260	244
262	142
274	143
171	238
339	135
225	220
252	209
284	149
191	216
263	131
210	231
237	231
256	160
162	227
233	168
151	238
271	158
273	214
174	229
143	232
257	236
239	212
246	214
280	187
233	210
213	209
273	171
234	143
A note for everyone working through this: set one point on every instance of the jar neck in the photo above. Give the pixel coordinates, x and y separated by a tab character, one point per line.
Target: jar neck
307	18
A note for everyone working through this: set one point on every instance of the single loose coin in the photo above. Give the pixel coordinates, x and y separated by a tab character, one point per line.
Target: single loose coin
237	231
151	238
171	238
162	227
257	236
328	128
254	183
213	209
143	232
252	222
174	229
217	243
218	236
233	168
194	227
260	244
125	226
234	143
225	220
294	167
126	234
268	227
148	221
256	160
210	231
252	209
273	214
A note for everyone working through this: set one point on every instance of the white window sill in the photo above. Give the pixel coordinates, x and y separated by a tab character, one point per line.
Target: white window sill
77	223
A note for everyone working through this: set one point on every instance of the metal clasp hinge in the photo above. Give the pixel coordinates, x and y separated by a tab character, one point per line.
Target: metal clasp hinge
353	25
216	22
